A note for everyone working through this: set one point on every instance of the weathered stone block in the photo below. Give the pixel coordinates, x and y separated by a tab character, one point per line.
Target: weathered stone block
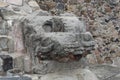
15	2
56	37
17	60
27	64
33	4
15	78
7	62
4	29
76	74
6	44
3	4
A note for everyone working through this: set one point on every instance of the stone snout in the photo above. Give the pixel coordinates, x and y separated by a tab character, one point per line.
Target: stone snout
87	40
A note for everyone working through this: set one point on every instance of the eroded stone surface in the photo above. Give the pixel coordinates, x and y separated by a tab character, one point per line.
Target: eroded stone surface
105	72
3	4
58	36
15	2
46	67
15	78
77	74
102	19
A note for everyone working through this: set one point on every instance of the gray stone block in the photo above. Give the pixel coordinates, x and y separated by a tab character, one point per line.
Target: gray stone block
15	78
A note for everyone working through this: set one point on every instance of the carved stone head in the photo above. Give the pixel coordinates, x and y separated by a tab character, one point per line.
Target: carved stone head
57	37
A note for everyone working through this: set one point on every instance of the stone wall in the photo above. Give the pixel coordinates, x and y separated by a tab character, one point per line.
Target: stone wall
101	19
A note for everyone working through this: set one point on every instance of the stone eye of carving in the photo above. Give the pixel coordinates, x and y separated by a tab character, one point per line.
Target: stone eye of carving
48	26
87	37
53	25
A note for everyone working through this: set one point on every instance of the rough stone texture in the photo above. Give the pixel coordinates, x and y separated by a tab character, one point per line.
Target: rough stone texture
18	60
61	38
18	40
4	29
101	18
15	78
26	8
33	4
15	2
5	44
116	77
3	4
105	72
27	64
46	67
7	62
77	74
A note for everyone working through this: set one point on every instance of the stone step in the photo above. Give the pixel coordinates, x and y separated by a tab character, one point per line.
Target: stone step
76	74
15	78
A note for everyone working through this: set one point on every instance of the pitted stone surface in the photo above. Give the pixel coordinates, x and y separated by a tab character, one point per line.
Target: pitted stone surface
15	78
77	74
105	72
46	67
15	2
101	16
55	37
